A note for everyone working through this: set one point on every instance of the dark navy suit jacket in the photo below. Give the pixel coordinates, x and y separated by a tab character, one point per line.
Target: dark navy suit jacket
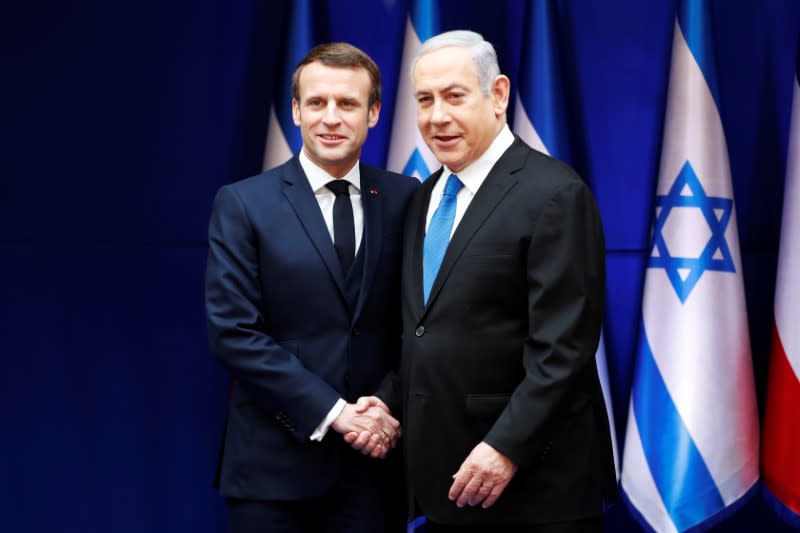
280	321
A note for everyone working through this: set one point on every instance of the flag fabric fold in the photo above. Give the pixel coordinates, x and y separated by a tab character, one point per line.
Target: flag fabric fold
540	119
408	153
691	448
780	459
283	137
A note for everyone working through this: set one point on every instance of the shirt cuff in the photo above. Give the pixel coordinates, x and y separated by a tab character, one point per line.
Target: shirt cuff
323	426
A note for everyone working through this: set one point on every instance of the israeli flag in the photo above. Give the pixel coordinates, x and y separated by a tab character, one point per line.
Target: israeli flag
283	137
691	448
540	120
408	153
780	458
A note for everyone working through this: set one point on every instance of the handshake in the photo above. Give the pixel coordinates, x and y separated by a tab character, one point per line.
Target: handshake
368	426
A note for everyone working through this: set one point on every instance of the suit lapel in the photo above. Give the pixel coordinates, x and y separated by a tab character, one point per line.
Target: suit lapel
498	182
298	192
372	239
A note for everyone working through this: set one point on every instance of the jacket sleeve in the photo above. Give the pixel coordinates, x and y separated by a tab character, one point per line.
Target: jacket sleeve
565	267
268	372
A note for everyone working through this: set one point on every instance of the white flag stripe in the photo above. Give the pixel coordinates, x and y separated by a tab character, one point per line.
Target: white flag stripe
602	371
405	133
525	129
788	280
692	129
277	150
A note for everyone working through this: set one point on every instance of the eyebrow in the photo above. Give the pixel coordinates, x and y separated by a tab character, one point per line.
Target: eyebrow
449	88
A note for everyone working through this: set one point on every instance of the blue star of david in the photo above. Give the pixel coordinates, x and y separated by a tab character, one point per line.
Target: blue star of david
716	255
416	164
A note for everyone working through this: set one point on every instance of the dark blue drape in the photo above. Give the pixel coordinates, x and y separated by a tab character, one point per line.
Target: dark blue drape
119	122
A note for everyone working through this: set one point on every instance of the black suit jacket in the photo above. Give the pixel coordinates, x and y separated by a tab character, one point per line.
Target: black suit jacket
280	321
504	350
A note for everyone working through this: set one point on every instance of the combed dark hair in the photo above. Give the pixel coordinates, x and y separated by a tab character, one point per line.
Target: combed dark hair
342	55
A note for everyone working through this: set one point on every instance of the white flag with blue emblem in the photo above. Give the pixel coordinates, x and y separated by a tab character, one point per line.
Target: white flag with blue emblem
408	153
540	119
691	448
283	137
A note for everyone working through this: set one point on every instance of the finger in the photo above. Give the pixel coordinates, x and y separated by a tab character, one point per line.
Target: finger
379	452
374	440
362	440
495	493
351	437
483	491
460	479
469	491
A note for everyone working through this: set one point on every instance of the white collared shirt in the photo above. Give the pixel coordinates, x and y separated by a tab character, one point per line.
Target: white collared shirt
318	178
471	176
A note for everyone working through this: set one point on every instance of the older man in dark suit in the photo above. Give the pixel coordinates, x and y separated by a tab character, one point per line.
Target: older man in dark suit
504	423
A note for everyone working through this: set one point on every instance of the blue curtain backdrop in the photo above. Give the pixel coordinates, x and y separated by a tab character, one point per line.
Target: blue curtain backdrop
120	121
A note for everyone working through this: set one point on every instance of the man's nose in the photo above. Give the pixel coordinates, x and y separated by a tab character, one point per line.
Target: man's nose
439	113
331	115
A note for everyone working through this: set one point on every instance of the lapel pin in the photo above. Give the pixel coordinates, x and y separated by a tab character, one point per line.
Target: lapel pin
373	191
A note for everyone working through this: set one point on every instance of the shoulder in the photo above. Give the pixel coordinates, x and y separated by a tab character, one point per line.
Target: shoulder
546	174
262	186
390	180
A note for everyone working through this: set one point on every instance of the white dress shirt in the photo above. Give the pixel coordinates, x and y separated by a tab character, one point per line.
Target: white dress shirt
471	176
318	178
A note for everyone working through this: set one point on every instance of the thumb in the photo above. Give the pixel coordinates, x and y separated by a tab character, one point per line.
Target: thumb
365	402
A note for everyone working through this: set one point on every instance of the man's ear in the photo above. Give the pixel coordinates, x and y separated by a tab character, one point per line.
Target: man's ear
501	89
373	114
295	112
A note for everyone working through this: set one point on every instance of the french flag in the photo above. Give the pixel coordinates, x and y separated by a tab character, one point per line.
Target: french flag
780	457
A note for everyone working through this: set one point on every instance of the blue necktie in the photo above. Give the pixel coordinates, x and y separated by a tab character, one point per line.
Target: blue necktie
438	236
344	233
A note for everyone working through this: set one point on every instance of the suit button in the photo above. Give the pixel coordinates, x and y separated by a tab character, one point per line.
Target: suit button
420	331
355	331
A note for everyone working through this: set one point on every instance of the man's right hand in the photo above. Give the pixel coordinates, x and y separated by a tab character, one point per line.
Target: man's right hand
368	427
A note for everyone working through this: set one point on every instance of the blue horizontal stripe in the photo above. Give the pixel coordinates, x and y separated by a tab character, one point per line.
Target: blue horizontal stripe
541	85
695	23
425	18
300	40
680	474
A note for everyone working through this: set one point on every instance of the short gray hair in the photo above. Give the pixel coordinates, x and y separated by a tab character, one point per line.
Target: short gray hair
483	54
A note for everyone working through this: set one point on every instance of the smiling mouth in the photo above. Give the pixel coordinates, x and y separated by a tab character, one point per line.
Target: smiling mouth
331	137
446	140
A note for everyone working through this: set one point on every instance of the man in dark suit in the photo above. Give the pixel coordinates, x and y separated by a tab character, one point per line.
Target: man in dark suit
503	276
302	301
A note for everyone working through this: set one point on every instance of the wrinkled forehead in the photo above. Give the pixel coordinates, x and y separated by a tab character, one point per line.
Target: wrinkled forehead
445	66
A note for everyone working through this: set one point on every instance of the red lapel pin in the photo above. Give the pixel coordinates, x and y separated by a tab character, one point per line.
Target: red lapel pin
373	191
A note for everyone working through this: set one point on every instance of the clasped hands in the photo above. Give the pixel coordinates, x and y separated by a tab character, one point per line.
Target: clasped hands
368	426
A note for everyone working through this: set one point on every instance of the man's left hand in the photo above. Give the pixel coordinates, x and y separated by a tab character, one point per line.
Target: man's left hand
483	476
